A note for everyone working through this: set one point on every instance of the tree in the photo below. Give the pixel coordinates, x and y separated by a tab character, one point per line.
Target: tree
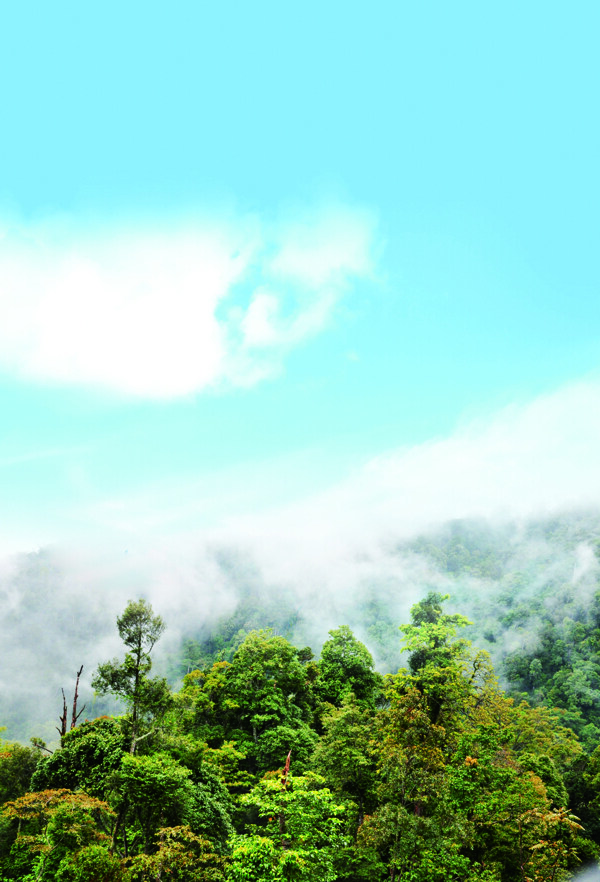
151	792
154	791
344	755
89	754
299	835
92	863
431	635
442	667
128	680
181	857
17	765
263	701
52	825
345	666
455	802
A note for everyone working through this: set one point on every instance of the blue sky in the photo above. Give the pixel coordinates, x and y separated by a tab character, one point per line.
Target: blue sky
291	260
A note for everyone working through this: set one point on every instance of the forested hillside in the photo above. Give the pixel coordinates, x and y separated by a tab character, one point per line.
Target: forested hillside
267	763
509	578
513	580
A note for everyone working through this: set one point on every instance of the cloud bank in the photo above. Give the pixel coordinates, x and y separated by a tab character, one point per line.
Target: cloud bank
325	555
532	461
528	460
162	313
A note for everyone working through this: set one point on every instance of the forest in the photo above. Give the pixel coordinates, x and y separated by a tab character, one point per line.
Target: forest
267	763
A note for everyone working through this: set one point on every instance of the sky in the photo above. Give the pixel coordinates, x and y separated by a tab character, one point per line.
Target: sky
295	276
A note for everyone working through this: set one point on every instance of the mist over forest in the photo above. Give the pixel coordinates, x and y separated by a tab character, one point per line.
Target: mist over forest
510	578
476	759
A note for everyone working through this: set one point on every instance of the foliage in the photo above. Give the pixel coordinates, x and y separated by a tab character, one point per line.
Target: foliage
90	753
261	703
303	823
145	697
345	756
181	856
52	825
346	666
92	863
431	774
155	790
454	801
17	765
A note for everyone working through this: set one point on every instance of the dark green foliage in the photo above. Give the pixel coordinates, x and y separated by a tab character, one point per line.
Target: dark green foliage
17	765
92	863
90	754
274	744
155	790
345	757
262	701
563	670
345	667
150	792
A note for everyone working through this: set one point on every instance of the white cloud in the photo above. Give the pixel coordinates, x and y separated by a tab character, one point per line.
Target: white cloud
532	460
319	253
260	320
165	313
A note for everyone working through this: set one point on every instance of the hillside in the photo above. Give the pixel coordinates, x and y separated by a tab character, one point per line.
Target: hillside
513	580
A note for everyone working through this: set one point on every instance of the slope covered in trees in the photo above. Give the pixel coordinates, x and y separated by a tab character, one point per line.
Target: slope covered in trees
510	579
273	765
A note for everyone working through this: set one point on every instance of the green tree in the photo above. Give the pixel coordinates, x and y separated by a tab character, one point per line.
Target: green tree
89	754
181	856
150	792
345	666
437	658
154	791
92	863
255	858
17	765
345	757
52	825
455	803
299	834
262	701
145	697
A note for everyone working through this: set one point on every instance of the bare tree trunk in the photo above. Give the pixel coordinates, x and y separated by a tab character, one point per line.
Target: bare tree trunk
74	715
63	720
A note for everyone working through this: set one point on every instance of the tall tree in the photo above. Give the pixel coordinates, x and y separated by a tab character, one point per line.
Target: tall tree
345	758
267	699
128	680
